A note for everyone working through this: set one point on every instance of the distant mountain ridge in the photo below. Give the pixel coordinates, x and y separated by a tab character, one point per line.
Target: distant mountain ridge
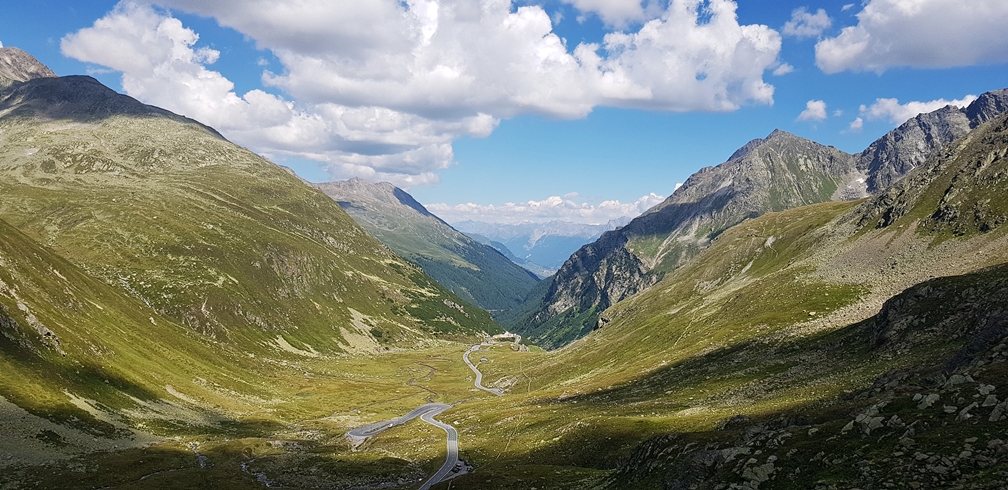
475	272
774	173
545	245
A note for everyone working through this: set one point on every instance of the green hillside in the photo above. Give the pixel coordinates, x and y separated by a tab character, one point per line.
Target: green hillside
176	312
779	339
202	231
475	272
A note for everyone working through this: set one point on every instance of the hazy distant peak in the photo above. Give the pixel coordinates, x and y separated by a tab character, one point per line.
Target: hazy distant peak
19	66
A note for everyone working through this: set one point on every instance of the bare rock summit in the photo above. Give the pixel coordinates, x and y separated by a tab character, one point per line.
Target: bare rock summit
19	66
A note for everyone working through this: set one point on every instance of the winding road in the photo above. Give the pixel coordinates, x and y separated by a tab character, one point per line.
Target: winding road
479	375
427	412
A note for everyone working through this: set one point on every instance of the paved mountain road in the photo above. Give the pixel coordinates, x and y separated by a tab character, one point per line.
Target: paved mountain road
479	375
427	412
452	459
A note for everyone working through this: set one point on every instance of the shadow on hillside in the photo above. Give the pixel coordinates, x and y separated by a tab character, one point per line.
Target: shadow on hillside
738	394
78	98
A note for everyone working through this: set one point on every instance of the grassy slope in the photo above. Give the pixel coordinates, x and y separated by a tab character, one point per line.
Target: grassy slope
213	236
475	272
775	329
770	328
196	292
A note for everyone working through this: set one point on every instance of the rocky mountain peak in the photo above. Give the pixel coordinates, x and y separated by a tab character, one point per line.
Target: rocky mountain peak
746	148
988	106
19	66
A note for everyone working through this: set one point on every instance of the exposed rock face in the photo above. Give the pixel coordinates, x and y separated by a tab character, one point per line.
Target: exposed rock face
19	66
779	172
901	150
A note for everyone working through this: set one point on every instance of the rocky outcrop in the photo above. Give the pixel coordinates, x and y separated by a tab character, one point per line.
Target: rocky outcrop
19	66
899	151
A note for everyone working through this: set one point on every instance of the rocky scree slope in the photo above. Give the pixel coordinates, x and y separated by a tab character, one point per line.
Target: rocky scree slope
770	174
935	417
475	272
204	232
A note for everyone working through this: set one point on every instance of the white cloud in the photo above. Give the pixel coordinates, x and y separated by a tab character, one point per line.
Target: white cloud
918	33
1	45
806	24
815	110
382	88
898	113
856	125
568	208
617	13
838	113
847	7
160	65
783	69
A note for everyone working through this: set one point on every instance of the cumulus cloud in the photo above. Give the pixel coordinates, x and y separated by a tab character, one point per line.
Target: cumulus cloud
918	33
806	24
381	89
568	208
612	12
898	113
856	125
815	110
161	65
783	69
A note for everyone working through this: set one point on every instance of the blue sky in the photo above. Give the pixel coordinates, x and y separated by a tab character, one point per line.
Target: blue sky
575	109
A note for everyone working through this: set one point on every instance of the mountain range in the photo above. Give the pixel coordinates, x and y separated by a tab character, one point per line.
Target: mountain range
540	247
178	312
774	173
475	272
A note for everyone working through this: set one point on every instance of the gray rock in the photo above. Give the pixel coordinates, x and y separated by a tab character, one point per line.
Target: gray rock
19	66
998	412
928	401
955	379
964	413
990	401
